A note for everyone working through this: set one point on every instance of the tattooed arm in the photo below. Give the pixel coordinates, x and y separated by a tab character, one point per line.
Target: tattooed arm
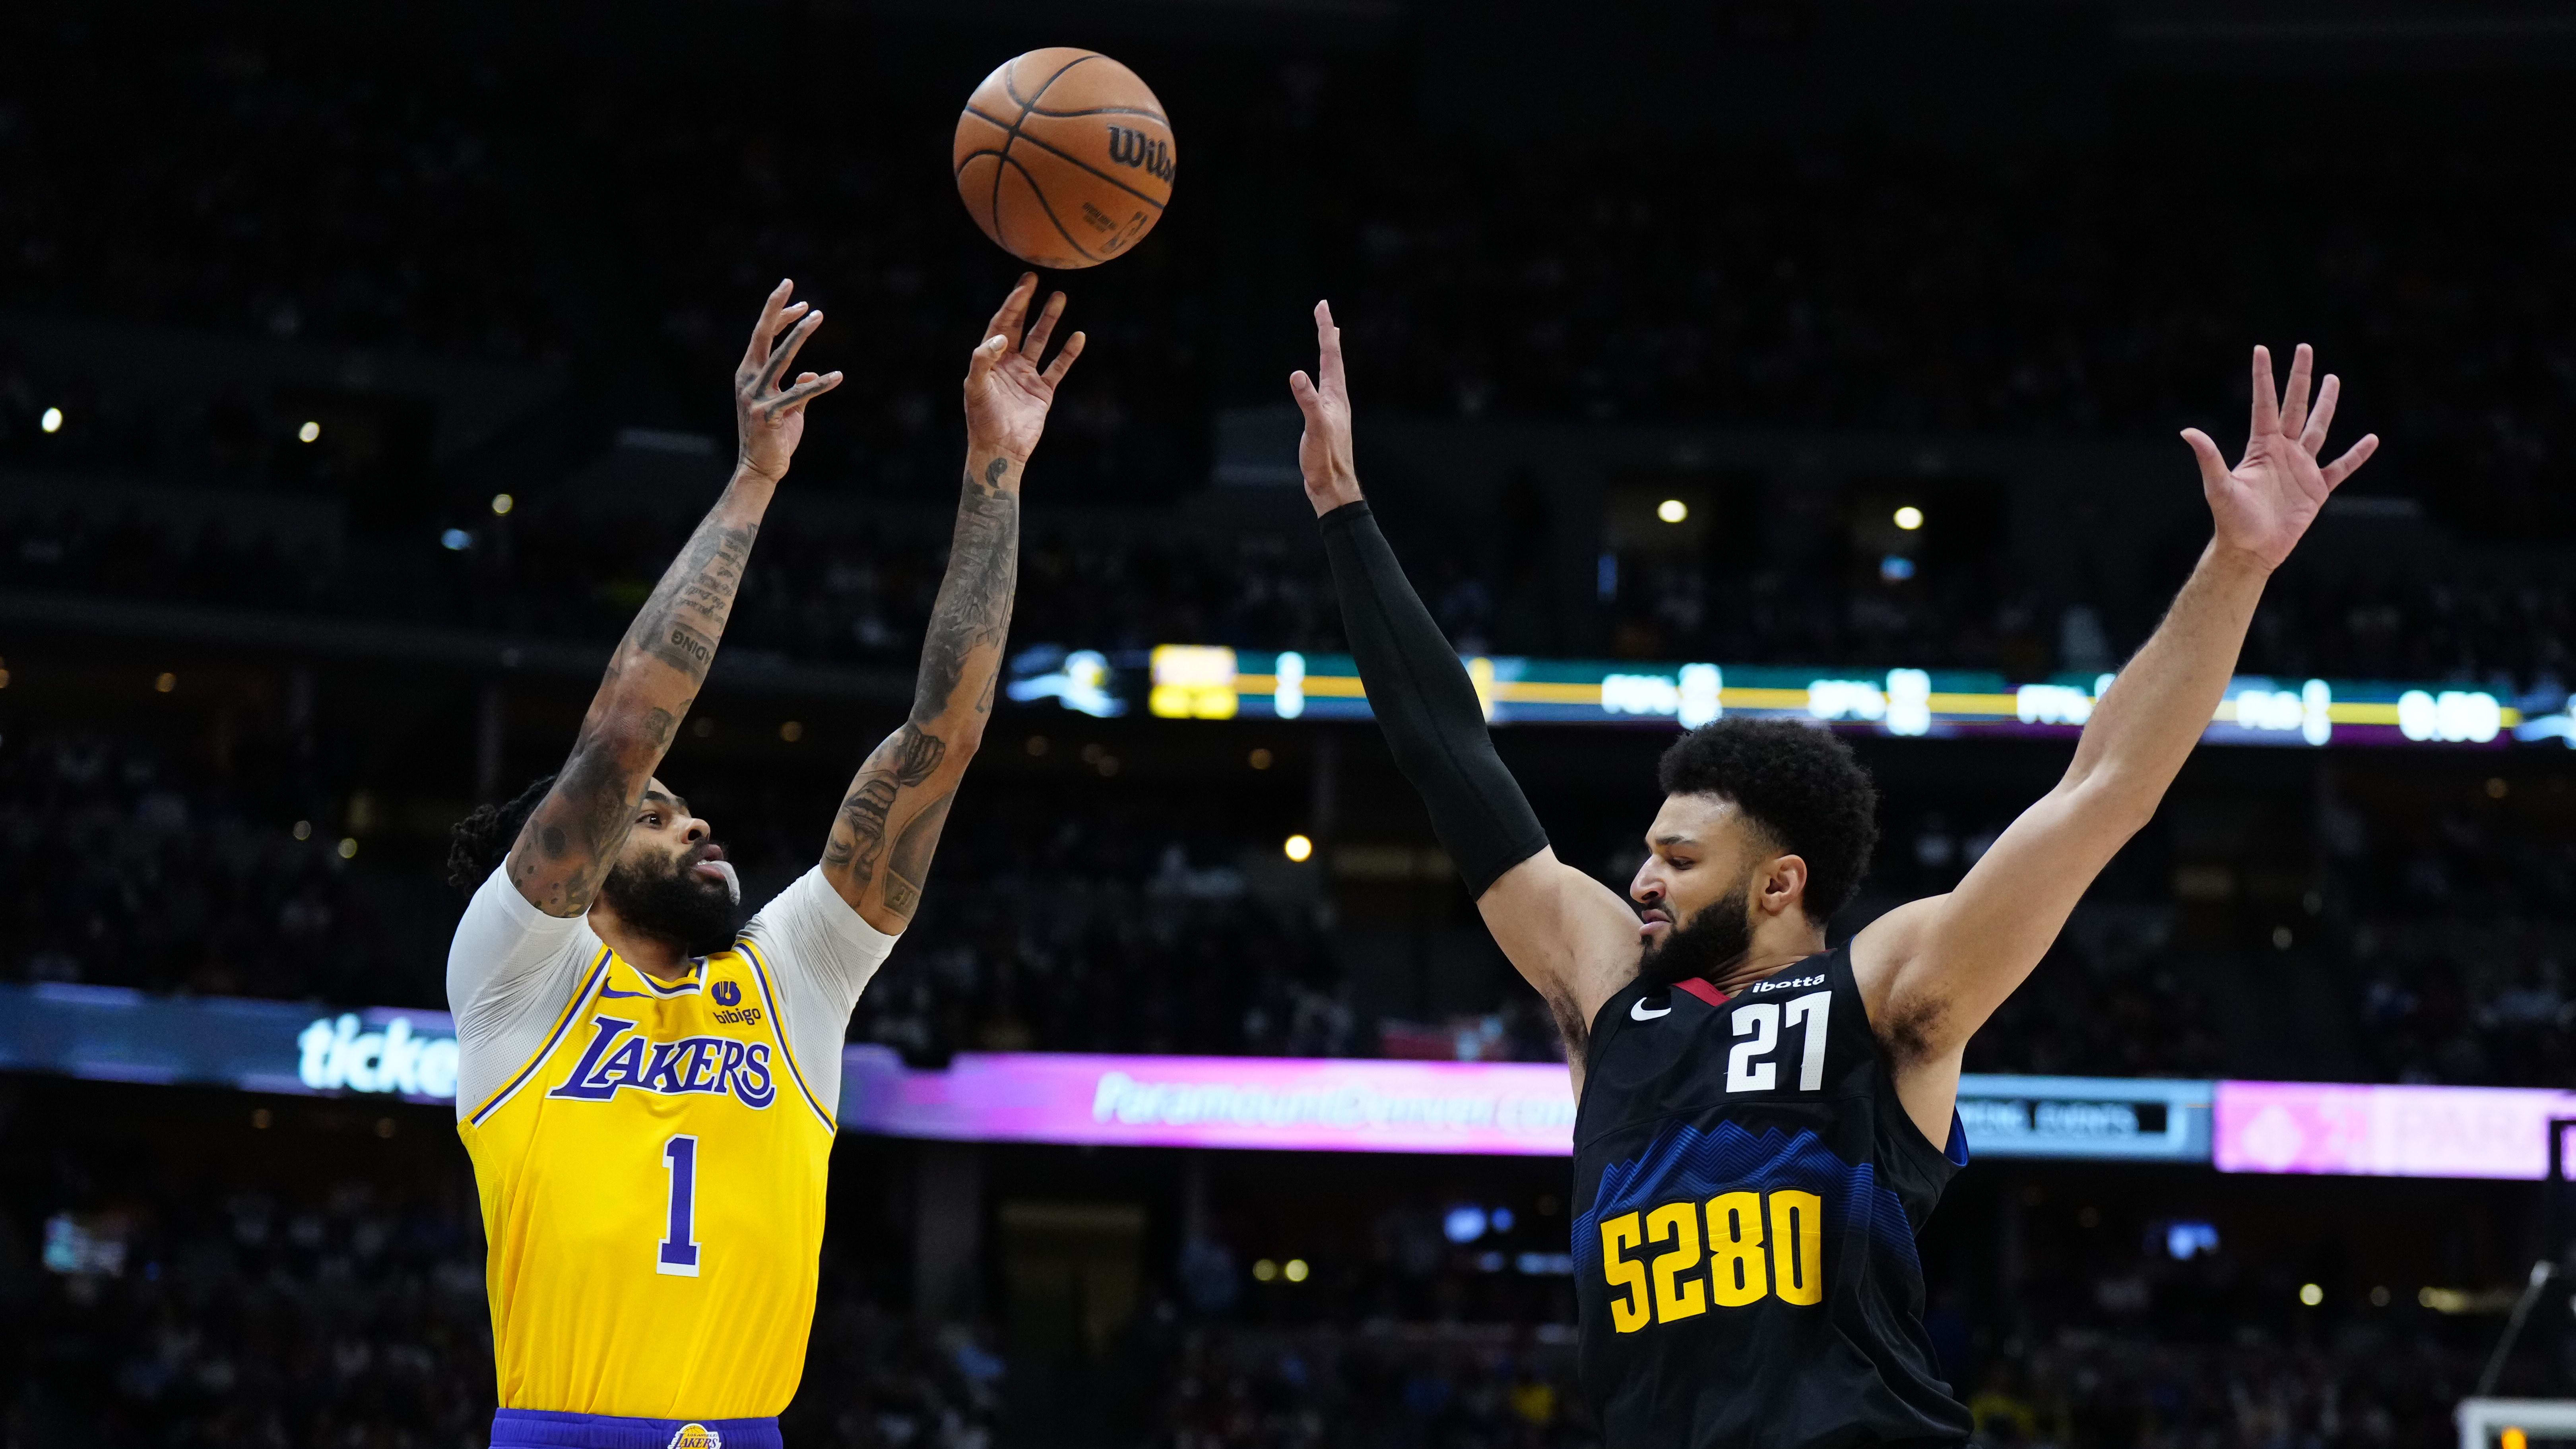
879	850
575	834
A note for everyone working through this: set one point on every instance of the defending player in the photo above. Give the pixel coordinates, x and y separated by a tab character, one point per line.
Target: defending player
1764	1123
646	1091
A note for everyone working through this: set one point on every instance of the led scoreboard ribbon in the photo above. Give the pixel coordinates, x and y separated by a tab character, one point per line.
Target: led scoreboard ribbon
107	1033
1204	681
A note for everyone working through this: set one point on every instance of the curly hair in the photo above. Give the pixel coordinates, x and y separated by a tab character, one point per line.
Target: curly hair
1799	785
477	844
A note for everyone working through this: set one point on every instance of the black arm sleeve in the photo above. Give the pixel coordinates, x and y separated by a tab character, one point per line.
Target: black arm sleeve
1427	706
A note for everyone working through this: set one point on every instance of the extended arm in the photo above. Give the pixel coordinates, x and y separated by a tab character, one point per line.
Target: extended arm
879	850
1566	933
1934	970
574	835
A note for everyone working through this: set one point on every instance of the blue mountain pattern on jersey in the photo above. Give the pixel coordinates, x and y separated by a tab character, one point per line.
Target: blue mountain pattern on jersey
1684	1162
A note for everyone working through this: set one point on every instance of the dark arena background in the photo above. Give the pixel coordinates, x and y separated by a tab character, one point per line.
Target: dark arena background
362	366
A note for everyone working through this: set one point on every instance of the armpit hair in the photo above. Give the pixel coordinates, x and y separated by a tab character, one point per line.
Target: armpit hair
1908	1032
1571	1027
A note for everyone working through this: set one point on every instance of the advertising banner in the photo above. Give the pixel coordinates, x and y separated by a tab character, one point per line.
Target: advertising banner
2387	1131
1158	1101
1518	1109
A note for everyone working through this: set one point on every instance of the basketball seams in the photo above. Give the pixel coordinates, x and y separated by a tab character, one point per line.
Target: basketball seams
1039	194
1071	159
1031	106
1013	91
1155	116
1025	107
1010	87
991	223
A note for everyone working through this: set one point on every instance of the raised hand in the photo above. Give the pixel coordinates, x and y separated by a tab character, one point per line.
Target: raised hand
1324	448
2265	503
769	420
1007	396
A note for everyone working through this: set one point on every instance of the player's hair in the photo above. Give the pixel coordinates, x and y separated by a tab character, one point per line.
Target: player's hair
1798	784
481	841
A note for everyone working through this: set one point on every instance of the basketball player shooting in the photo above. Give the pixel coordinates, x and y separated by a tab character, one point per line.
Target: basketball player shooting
646	1086
1765	1123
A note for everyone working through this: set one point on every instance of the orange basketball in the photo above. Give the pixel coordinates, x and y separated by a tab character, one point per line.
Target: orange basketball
1064	158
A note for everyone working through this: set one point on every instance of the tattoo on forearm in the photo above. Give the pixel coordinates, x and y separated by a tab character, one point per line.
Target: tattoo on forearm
973	612
680	623
919	753
684	649
569	845
909	864
858	836
908	757
968	625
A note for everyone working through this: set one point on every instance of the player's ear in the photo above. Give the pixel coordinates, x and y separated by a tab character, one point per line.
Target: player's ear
1782	885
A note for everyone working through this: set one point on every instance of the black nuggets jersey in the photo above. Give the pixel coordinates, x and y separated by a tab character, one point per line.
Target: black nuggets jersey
1747	1190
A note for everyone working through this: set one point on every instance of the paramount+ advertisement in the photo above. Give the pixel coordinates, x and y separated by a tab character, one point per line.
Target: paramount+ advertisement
1473	1108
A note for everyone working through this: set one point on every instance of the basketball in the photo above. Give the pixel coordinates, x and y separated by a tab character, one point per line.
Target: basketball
1064	158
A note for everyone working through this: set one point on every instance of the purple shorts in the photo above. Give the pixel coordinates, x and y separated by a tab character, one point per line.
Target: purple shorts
537	1429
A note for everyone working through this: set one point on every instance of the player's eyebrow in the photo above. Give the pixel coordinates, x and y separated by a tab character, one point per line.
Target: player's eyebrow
1675	838
674	801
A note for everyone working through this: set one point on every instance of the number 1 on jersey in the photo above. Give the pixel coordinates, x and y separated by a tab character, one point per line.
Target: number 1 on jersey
679	1250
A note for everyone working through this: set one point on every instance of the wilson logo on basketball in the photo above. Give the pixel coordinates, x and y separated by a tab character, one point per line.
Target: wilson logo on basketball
1135	148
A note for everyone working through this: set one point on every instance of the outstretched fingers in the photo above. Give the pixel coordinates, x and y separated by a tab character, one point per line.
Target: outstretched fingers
2267	396
1302	388
785	357
2294	402
1036	343
807	388
2322	418
1064	357
1014	309
2213	464
2352	459
1328	343
756	355
985	358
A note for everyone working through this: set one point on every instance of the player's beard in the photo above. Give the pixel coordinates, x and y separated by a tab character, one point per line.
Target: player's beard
1714	938
664	897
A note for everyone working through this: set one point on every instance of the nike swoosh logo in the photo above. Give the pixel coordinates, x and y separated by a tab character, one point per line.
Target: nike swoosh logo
613	991
1637	1011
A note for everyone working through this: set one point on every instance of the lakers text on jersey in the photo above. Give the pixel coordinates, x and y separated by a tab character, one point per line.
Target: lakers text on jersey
1747	1191
653	1189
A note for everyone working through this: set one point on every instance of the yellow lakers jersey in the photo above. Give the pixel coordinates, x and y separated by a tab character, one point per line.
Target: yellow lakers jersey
653	1184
